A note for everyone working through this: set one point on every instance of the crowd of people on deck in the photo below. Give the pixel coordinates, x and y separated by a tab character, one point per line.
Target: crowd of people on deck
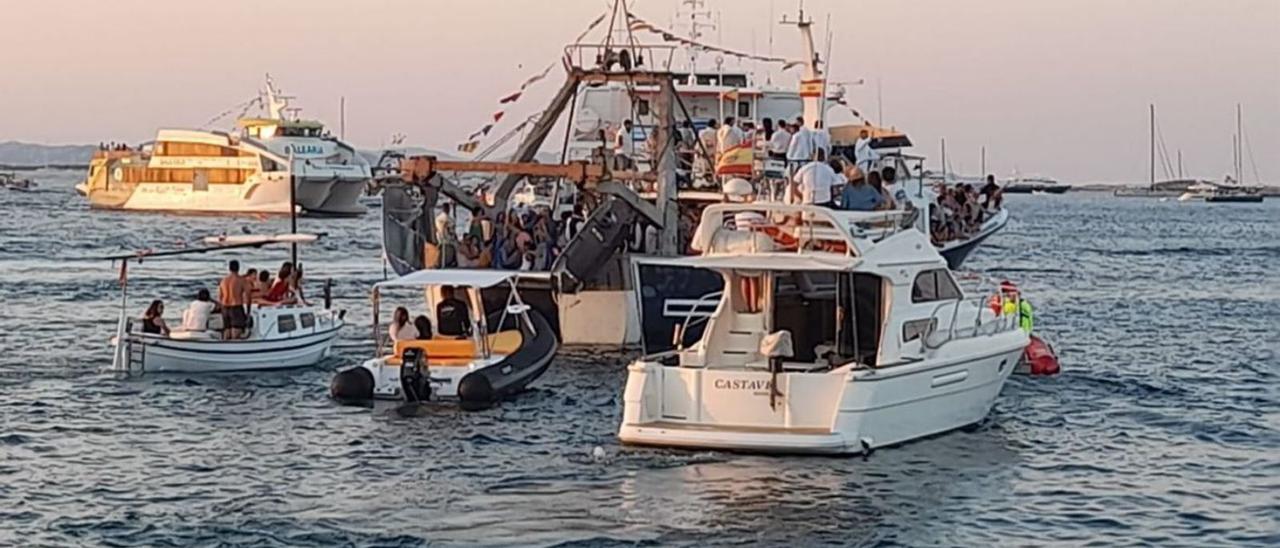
961	209
236	293
522	238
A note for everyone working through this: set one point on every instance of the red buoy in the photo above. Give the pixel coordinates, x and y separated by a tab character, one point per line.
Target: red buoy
1040	358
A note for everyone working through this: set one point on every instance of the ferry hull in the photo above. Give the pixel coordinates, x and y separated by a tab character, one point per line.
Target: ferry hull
270	196
842	412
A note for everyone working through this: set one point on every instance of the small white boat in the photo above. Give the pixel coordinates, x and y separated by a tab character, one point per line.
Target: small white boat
838	332
280	337
500	346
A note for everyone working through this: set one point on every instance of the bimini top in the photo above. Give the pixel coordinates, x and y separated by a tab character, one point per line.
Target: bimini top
455	276
770	261
218	243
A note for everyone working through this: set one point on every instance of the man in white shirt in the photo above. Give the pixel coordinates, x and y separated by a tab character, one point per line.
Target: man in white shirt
822	139
864	154
624	143
779	143
800	150
814	182
196	316
707	137
446	236
728	136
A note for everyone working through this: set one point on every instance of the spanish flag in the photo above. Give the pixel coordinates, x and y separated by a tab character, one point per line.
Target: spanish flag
730	95
736	161
811	88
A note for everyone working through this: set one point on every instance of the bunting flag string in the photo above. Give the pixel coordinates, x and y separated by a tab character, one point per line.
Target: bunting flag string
638	24
473	141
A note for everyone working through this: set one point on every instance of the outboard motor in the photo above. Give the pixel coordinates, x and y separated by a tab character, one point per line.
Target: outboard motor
415	381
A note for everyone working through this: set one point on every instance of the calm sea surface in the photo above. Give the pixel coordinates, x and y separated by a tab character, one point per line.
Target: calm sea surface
1164	428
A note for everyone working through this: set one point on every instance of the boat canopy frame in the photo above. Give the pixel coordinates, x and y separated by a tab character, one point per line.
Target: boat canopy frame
474	281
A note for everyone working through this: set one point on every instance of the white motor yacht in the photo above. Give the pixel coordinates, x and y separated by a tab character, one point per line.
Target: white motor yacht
279	336
249	170
838	332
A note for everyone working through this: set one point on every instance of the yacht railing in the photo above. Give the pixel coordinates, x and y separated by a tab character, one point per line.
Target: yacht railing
998	323
690	321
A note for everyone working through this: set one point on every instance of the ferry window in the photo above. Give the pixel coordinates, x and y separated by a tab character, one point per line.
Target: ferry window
735	80
286	323
642	107
308	319
934	285
744	109
914	329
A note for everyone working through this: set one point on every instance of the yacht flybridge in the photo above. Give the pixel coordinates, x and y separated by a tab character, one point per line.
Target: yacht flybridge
249	170
837	332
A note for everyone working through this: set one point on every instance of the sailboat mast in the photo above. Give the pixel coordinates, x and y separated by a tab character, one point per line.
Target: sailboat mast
1153	145
1239	146
1180	164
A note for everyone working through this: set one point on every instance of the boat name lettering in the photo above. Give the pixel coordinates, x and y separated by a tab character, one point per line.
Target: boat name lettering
742	384
304	149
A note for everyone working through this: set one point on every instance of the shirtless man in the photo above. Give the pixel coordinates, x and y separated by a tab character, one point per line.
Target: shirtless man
234	295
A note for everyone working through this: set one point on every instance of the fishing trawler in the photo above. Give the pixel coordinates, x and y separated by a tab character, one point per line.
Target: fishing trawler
836	332
268	165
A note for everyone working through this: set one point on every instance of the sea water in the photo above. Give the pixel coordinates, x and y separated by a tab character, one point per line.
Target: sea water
1163	429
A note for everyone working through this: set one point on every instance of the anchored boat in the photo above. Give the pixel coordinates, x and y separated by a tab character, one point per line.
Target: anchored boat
279	336
268	166
837	332
486	343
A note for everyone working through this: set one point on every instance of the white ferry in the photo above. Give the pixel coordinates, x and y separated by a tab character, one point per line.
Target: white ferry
244	171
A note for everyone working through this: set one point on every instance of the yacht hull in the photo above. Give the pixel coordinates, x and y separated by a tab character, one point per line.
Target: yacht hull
841	412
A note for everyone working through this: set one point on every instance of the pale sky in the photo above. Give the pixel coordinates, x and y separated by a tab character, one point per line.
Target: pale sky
1054	87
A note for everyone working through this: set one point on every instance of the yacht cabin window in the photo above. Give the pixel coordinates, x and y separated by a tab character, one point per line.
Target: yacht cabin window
934	285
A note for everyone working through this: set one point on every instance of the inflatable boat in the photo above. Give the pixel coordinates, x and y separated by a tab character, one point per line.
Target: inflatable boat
475	341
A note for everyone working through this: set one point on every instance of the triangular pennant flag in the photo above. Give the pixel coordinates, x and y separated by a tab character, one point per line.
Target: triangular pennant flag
510	98
498	116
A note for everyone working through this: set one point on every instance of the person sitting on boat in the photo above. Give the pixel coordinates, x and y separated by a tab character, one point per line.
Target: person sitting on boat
452	317
281	291
196	316
401	329
295	284
258	291
153	321
233	294
860	196
423	326
874	180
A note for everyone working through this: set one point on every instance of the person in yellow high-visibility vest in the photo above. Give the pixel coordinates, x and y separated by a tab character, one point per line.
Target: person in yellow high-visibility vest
1012	303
